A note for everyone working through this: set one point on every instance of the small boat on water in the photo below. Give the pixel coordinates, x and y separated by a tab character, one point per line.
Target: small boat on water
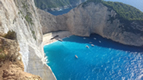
76	56
94	38
99	41
92	44
87	46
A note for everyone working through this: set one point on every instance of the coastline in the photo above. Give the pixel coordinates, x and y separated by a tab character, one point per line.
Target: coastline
47	40
61	34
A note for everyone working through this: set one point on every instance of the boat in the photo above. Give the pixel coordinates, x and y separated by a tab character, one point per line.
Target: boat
99	41
76	56
92	44
87	46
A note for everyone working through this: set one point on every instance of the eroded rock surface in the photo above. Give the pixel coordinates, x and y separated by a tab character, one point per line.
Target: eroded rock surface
94	18
21	16
15	71
11	65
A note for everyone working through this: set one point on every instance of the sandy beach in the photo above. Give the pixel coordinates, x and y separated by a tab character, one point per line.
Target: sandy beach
47	38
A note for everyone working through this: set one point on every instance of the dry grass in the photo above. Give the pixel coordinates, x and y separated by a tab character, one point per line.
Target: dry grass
2	55
9	50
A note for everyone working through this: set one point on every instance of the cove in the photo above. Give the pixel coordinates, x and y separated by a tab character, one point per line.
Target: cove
64	11
106	60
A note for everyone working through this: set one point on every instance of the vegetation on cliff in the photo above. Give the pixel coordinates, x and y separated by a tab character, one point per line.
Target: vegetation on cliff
128	15
28	17
47	4
10	35
11	66
126	11
44	4
9	47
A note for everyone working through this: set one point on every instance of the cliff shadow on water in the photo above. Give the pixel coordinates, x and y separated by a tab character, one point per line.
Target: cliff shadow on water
97	40
61	12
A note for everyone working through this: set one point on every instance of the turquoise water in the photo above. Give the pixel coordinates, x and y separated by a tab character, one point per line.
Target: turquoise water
107	60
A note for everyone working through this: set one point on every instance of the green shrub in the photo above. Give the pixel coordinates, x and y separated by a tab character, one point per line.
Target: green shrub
2	56
28	19
10	35
33	34
44	4
25	6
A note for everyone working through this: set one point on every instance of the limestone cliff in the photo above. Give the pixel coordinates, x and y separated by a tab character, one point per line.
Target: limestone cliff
51	23
95	18
21	16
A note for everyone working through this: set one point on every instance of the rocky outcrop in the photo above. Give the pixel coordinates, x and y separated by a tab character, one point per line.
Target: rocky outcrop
21	16
95	18
11	66
9	50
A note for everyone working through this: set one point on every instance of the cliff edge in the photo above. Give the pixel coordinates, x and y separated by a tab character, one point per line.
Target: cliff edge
11	65
21	17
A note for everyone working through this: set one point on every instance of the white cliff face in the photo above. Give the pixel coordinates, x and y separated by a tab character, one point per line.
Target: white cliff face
52	23
87	19
96	18
21	16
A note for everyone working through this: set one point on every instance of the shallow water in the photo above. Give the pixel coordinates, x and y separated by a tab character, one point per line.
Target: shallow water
107	60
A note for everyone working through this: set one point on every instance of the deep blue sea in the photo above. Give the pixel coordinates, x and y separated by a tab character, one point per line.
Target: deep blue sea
56	13
106	60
